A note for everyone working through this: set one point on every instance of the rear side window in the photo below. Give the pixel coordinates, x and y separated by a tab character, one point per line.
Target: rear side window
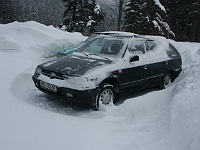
172	52
150	45
137	47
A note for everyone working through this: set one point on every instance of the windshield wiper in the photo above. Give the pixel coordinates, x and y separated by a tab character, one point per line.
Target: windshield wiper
83	53
100	56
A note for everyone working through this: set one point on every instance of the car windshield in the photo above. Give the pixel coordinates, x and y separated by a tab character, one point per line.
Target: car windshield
106	46
91	37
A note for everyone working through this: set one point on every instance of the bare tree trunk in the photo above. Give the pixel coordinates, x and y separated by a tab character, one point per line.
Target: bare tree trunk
74	15
192	32
120	13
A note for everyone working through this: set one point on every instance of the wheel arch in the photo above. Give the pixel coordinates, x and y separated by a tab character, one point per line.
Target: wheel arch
112	81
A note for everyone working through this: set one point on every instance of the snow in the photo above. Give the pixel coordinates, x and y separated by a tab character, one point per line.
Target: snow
97	9
160	5
164	26
148	120
159	52
32	36
89	23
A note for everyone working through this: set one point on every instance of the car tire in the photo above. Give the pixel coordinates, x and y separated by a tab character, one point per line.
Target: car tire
106	96
166	82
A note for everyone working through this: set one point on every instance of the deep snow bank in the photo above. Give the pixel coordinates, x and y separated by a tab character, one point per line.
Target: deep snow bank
158	120
32	36
167	119
154	120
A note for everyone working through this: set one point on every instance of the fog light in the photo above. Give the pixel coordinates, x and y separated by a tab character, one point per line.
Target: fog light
69	95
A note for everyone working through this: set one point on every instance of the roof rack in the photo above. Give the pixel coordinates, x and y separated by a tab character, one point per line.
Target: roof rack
117	33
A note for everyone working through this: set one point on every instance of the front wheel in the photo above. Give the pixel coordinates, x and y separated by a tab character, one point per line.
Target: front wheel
106	96
166	82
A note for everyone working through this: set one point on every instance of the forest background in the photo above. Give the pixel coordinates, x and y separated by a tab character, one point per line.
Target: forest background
175	19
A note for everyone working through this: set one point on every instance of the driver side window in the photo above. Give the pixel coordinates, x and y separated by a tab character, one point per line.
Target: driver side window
137	47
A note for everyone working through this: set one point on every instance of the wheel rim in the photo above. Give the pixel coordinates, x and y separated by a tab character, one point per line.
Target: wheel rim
106	97
167	80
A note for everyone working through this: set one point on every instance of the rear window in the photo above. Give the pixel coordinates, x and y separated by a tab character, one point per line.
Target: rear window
172	52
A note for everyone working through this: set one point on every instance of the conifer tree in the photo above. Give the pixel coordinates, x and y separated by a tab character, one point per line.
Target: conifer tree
8	11
185	18
81	15
146	17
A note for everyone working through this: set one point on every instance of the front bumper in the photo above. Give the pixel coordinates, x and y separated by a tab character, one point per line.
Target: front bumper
78	96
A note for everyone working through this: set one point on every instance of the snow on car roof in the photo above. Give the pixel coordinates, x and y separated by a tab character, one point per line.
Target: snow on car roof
117	33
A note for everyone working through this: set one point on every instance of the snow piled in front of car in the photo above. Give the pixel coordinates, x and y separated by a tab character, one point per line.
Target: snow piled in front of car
32	36
149	120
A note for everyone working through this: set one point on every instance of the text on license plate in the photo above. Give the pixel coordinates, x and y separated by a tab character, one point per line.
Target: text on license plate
48	86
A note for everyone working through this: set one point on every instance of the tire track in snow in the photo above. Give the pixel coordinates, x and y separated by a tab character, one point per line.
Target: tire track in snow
23	88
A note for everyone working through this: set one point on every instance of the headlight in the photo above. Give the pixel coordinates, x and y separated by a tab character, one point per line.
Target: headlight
89	83
81	83
38	70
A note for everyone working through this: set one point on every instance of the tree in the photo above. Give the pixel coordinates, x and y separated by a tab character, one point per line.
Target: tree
118	11
47	12
81	15
120	5
8	12
146	17
185	18
4	10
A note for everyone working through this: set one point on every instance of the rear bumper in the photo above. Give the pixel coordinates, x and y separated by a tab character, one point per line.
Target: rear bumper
85	96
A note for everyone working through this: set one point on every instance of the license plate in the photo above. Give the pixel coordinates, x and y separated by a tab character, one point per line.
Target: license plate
48	86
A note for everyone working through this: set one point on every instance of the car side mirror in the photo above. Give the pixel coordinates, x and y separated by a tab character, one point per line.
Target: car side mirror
134	58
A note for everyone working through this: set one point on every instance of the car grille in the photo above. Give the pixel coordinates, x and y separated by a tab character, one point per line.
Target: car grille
53	75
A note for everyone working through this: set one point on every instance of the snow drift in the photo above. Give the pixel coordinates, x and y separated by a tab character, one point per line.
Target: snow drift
151	120
32	36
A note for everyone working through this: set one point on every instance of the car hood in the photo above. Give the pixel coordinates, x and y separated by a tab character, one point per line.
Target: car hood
75	65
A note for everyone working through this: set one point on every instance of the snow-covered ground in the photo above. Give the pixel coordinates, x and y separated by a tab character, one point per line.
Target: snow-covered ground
151	120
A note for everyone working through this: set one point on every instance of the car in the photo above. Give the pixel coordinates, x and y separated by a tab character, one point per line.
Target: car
70	50
107	65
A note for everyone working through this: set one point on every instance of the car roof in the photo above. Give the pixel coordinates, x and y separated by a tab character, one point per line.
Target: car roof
117	33
131	35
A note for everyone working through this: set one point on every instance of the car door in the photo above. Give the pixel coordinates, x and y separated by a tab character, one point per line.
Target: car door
158	61
135	73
